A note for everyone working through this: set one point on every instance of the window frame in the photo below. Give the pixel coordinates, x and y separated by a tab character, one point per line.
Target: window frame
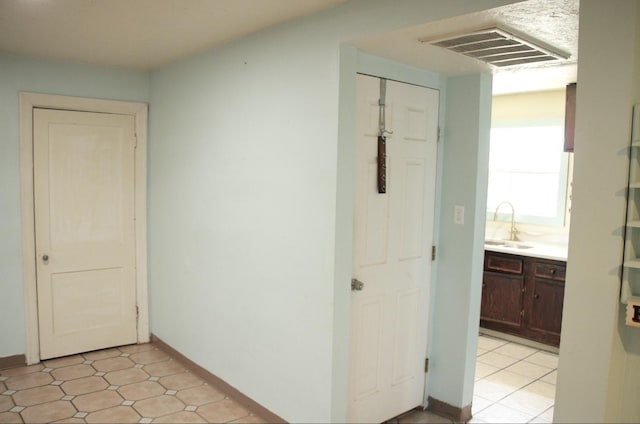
559	220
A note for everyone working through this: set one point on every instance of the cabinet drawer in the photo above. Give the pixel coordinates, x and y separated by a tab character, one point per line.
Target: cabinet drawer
549	270
506	263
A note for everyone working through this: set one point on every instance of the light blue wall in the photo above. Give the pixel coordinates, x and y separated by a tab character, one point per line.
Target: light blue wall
17	74
249	219
456	311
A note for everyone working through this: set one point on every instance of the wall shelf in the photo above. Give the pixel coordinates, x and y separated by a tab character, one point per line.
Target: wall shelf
630	284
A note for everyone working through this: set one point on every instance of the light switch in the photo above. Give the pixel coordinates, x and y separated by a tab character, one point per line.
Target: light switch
458	215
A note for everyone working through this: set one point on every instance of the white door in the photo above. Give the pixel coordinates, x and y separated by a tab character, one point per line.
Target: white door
393	235
84	221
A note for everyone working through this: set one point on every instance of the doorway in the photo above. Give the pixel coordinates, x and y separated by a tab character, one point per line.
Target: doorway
393	233
37	262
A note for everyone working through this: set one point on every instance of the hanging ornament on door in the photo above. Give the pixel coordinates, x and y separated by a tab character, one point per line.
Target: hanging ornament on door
382	138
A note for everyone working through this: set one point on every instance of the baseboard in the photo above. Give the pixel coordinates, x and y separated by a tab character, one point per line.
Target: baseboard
13	361
444	409
219	383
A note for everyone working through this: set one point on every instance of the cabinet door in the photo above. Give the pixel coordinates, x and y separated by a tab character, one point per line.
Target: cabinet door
546	310
502	299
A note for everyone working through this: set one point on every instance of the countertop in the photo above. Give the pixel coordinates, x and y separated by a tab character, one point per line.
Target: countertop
525	248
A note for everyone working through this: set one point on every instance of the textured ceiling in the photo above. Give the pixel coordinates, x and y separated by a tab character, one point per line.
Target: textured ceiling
552	22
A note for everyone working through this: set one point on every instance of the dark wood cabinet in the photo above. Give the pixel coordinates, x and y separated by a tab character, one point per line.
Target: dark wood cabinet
523	296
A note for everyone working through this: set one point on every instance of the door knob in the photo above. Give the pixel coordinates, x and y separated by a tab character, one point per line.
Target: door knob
356	284
45	258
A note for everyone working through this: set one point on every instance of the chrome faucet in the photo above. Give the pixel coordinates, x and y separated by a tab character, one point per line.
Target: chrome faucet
513	232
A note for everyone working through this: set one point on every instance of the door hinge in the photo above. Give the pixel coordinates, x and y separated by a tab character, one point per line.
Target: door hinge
433	253
426	365
439	134
522	313
135	142
137	312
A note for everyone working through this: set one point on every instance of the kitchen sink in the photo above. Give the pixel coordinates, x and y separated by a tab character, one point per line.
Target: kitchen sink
507	244
517	246
494	242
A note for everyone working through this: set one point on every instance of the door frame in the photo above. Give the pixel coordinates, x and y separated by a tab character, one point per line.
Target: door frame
29	101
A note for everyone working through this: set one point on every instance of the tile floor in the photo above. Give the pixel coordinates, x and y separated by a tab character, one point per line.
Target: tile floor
129	384
142	384
513	384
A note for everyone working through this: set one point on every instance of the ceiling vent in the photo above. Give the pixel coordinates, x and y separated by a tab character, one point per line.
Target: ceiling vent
498	47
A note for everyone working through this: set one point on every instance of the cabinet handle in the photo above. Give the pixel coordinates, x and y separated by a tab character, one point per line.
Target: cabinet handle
552	271
536	296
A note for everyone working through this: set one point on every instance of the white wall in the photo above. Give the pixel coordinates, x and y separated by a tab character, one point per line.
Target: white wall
599	357
244	228
17	74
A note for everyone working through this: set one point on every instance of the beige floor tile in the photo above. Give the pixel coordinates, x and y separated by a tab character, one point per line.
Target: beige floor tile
6	403
71	421
539	420
479	404
64	361
480	351
547	415
528	369
42	394
102	354
48	412
2	387
113	364
550	378
126	376
135	348
515	350
222	411
483	370
27	381
200	395
149	357
180	381
492	391
96	401
142	390
10	418
161	369
417	416
117	414
252	419
489	343
496	359
158	406
501	414
72	372
180	417
543	389
545	359
84	385
11	372
528	403
510	379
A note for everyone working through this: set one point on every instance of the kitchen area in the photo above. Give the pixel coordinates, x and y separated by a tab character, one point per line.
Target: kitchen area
525	255
528	216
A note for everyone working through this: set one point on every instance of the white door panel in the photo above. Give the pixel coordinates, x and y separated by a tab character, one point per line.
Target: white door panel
393	233
85	234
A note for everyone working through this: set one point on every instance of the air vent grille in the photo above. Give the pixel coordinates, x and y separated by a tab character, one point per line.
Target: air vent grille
498	47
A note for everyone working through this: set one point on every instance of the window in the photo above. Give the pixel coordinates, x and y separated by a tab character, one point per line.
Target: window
529	169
